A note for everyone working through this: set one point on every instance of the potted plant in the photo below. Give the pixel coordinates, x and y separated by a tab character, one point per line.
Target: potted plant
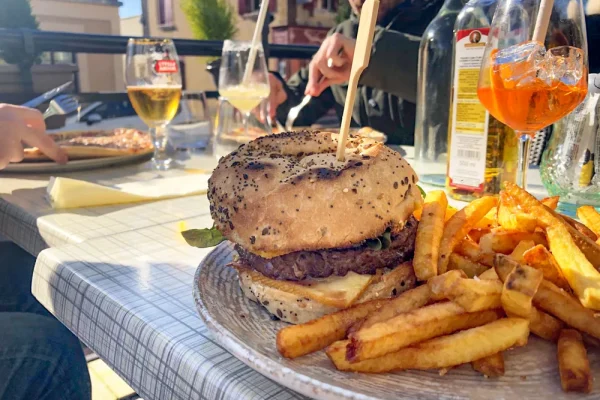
211	20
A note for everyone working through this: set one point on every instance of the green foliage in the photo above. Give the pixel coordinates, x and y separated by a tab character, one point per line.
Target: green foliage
344	11
17	14
210	19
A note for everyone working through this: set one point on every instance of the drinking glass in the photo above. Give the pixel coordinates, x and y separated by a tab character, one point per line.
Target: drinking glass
244	85
153	82
191	129
532	76
230	128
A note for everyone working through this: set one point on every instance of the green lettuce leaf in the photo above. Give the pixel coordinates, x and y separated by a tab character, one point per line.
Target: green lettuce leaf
201	238
423	194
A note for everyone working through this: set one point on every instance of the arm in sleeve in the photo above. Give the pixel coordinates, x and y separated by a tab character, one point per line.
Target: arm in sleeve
393	64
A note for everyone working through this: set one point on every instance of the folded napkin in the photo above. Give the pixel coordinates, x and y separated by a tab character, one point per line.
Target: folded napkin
73	193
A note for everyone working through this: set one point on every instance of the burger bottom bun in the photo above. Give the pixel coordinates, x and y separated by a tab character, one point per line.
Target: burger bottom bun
298	310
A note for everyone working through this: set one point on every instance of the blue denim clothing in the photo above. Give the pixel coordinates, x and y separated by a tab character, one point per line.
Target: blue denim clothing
39	357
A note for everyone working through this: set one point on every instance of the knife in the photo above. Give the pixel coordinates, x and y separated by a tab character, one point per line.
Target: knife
49	95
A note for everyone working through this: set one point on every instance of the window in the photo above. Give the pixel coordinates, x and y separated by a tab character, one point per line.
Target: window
329	5
252	6
57	57
165	14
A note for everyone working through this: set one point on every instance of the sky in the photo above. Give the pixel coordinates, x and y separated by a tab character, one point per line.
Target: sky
130	8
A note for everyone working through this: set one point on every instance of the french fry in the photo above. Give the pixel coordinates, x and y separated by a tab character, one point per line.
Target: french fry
511	218
573	363
476	234
414	327
545	325
488	221
505	241
443	352
504	265
490	366
520	286
545	216
489	275
471	268
557	302
297	340
476	295
542	324
429	235
459	225
441	284
540	258
472	251
407	301
550	202
450	211
583	278
584	230
522	247
590	218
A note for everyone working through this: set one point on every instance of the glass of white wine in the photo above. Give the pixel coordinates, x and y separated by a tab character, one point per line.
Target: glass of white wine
153	80
243	85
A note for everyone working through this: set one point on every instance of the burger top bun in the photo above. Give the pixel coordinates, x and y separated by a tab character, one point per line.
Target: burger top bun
284	193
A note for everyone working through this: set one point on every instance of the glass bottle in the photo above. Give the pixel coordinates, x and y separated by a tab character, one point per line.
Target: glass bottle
482	151
433	95
570	167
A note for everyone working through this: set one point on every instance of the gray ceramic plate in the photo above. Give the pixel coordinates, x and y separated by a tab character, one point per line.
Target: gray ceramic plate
75	165
245	330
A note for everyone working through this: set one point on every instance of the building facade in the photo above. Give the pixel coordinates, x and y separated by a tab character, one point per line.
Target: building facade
96	72
295	22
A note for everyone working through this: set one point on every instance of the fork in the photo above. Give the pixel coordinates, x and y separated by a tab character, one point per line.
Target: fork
61	105
295	111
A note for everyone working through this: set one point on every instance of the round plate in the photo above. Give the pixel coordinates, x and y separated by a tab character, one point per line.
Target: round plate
75	165
245	329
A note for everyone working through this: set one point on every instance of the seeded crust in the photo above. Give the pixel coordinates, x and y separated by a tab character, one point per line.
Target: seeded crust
287	192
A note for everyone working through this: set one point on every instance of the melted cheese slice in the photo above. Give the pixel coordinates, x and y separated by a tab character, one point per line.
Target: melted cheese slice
335	291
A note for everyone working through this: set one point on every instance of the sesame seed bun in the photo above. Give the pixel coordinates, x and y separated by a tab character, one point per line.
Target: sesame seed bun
284	193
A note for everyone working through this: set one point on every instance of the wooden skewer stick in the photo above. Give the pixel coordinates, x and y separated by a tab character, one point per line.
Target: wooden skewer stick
362	54
542	21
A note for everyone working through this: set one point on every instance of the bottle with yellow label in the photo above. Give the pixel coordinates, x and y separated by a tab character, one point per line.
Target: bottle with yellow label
482	151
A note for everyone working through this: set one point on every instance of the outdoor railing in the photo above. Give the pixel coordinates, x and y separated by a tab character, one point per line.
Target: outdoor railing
35	41
32	41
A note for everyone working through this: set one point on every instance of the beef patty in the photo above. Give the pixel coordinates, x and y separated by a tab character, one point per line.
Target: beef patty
301	265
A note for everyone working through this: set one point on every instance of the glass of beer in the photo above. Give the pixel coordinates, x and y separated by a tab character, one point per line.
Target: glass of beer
244	83
153	82
535	67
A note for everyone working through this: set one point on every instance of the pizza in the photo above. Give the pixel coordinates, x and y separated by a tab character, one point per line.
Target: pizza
238	135
96	144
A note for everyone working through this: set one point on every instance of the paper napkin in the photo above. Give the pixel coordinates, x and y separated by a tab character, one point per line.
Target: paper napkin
73	193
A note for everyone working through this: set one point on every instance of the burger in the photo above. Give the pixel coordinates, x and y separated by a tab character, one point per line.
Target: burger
315	235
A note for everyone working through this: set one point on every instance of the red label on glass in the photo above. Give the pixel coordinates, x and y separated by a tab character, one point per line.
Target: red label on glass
166	66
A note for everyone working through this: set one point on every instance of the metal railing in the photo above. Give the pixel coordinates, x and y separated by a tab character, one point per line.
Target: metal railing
32	41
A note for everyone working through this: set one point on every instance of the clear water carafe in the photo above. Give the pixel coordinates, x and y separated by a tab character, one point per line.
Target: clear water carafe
570	166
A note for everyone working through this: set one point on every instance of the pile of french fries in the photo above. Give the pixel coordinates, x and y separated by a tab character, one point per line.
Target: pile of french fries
491	274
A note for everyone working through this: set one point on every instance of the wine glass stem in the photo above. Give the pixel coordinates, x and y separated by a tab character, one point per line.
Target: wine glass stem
245	118
159	138
524	145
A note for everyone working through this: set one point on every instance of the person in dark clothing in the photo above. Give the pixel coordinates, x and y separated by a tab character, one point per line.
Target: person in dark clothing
387	88
39	357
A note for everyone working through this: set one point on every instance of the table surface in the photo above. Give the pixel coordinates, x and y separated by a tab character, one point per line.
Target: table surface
120	278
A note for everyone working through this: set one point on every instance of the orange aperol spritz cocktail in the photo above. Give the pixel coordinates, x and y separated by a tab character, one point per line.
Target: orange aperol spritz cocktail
527	84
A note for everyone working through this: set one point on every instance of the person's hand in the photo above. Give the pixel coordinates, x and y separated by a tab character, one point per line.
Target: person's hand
20	125
277	96
331	65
